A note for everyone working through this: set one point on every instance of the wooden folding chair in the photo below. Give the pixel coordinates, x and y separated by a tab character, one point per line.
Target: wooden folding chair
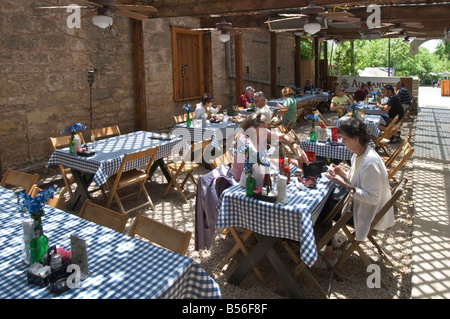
356	245
105	132
56	201
322	118
321	241
103	216
406	150
161	234
288	150
384	142
383	139
124	179
277	118
62	142
19	180
185	167
182	118
226	158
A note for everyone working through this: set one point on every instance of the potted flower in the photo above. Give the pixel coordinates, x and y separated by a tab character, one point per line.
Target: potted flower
34	206
73	128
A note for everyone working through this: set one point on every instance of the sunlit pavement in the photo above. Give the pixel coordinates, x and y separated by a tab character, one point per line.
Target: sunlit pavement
431	195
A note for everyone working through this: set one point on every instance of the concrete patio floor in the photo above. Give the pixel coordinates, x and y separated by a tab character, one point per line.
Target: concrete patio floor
431	196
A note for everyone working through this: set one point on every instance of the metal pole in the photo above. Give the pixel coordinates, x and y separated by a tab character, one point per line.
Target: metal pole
91	73
389	58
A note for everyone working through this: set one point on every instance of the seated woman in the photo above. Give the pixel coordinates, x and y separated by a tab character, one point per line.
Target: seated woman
289	104
205	106
340	102
367	177
254	132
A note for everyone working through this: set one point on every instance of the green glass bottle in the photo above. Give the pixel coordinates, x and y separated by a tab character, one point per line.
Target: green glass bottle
250	185
72	144
354	112
312	133
188	120
253	107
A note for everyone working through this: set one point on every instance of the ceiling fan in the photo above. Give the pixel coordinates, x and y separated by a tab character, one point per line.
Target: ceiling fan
311	18
223	26
99	10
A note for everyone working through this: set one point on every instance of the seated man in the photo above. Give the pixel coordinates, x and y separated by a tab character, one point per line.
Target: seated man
361	93
309	86
261	106
246	98
402	93
340	102
393	107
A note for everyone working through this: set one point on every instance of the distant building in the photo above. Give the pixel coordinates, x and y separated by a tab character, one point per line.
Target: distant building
445	75
376	71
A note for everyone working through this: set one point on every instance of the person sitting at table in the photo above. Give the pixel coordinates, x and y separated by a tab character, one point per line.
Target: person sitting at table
367	177
246	98
205	106
340	102
289	104
259	98
402	93
361	93
393	107
309	86
258	141
335	89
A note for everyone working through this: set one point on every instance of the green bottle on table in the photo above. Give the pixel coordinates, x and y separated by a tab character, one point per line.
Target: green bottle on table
188	120
312	133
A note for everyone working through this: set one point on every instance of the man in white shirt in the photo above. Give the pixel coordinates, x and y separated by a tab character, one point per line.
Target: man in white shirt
260	106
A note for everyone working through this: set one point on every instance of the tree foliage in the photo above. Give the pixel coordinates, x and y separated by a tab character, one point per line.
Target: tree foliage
384	52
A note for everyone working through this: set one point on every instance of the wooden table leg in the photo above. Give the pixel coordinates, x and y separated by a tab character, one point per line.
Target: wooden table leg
162	166
264	247
83	181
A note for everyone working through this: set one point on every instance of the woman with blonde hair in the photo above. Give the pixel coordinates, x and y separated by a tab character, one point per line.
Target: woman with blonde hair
254	133
289	104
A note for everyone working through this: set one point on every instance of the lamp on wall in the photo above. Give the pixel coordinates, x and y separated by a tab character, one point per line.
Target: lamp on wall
224	36
102	21
312	27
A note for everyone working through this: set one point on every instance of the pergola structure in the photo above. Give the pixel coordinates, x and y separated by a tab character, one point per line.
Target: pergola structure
408	19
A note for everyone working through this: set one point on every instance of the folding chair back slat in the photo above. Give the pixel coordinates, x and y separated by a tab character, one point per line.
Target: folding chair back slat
161	234
103	216
105	132
126	177
24	181
56	201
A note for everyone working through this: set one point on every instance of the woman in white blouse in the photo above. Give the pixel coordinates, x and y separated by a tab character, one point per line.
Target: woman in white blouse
368	177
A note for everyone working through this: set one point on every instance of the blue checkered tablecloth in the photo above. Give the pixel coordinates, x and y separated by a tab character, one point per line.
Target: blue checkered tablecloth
370	120
326	149
216	131
110	152
306	97
372	109
293	220
121	267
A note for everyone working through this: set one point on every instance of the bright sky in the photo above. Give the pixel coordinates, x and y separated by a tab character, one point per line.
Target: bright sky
431	45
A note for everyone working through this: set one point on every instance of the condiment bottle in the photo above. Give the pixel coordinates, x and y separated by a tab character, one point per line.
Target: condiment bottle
287	170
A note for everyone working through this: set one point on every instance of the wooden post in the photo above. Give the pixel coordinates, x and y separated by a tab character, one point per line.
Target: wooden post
207	63
325	66
273	65
316	61
298	62
140	97
239	84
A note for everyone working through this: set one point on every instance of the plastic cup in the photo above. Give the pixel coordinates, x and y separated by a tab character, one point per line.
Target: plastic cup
334	134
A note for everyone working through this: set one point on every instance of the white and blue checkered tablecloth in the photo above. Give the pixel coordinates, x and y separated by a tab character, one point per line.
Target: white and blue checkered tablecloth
121	267
110	152
326	149
306	97
214	131
370	120
372	109
293	220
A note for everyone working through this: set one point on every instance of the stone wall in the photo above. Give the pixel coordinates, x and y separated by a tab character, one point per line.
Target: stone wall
43	78
44	65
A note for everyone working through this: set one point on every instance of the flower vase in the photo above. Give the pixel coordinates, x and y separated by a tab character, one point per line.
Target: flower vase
188	120
312	133
250	185
39	243
72	144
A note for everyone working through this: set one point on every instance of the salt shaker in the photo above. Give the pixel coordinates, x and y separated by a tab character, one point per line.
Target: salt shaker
282	189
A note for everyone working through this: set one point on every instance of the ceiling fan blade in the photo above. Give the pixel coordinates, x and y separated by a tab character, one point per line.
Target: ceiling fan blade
131	14
136	8
415	33
331	15
203	29
90	14
344	19
414	25
292	15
